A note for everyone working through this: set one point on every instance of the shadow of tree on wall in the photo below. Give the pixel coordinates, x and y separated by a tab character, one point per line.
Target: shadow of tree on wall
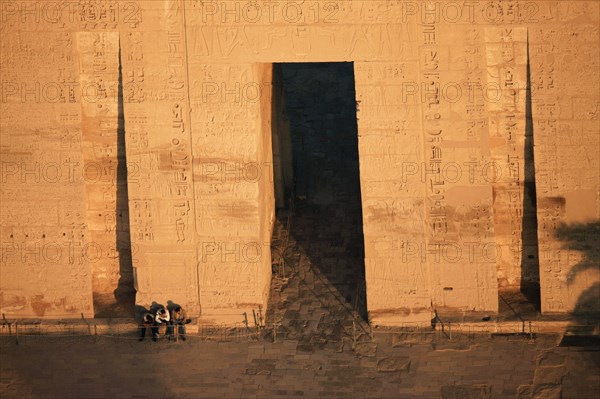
577	238
583	238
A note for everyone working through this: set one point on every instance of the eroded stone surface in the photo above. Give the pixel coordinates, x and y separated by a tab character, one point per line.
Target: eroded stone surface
466	392
391	364
43	366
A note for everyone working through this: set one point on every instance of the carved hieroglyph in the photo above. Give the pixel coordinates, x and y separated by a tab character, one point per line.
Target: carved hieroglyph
506	80
159	160
99	76
233	186
45	269
564	90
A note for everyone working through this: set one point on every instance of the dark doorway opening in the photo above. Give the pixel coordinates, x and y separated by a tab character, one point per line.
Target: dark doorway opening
317	187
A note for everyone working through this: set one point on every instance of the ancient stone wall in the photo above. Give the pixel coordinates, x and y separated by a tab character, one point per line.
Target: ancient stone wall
104	167
45	268
441	90
563	54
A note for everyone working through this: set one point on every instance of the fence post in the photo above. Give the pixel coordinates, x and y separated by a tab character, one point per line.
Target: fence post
17	332
530	332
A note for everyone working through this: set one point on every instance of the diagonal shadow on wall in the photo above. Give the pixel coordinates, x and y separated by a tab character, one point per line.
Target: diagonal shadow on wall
320	104
122	305
530	266
124	293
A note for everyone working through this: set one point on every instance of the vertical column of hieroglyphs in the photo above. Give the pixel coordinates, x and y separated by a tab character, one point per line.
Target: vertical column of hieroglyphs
506	58
159	157
565	83
44	267
390	130
137	142
429	172
469	196
104	142
472	159
458	208
98	75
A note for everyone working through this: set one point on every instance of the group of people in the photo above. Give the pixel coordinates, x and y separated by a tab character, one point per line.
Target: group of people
161	316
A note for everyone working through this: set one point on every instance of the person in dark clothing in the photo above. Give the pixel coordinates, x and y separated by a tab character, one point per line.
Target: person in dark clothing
147	322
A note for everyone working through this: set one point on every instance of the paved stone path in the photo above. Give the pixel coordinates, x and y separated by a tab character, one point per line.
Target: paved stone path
307	303
392	367
321	350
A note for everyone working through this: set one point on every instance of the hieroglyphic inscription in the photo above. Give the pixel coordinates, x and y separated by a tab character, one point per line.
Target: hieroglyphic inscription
160	160
436	224
457	206
43	235
506	63
99	66
389	136
566	162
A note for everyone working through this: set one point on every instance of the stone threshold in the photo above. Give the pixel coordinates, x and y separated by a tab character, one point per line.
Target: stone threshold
123	326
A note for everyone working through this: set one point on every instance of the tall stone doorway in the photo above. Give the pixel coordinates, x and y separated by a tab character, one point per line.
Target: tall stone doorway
318	243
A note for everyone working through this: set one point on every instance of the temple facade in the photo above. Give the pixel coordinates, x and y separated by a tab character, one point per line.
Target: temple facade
144	151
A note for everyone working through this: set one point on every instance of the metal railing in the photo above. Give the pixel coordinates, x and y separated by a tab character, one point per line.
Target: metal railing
19	331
